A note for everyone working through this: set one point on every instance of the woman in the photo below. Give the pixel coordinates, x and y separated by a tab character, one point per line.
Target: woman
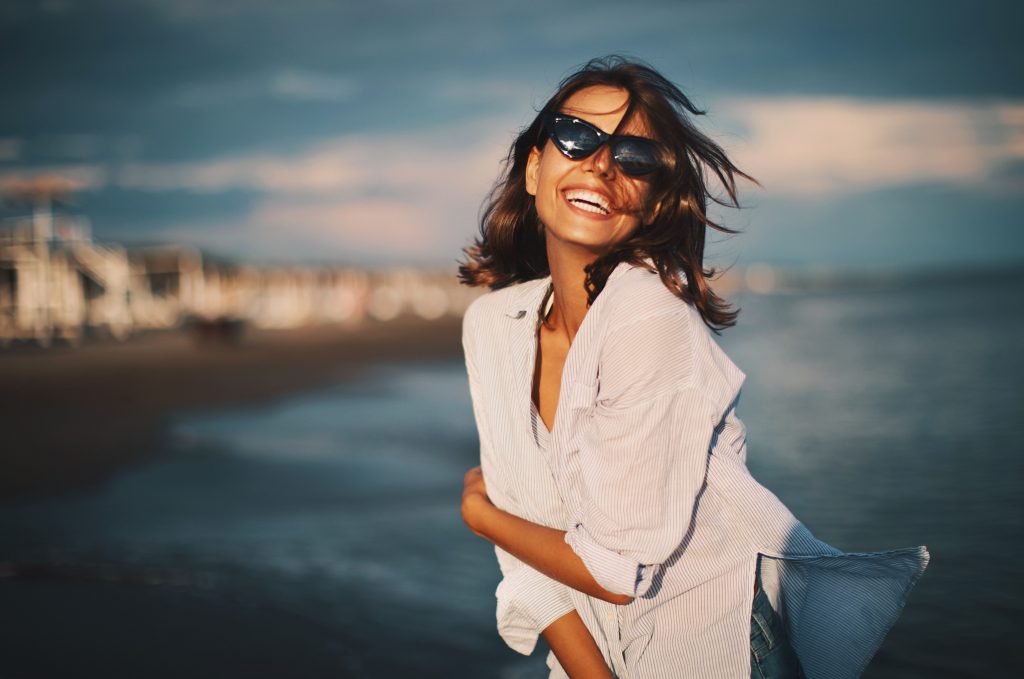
626	525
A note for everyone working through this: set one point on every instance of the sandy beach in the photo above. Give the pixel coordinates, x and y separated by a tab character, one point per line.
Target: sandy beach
876	414
71	416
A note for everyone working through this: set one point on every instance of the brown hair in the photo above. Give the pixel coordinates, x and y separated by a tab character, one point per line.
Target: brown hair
510	248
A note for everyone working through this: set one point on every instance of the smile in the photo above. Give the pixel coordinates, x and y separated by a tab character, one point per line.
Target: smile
589	201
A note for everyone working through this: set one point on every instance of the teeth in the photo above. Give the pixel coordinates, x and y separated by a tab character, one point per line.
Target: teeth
591	201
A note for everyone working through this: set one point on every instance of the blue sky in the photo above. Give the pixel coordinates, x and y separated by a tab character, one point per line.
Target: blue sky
884	133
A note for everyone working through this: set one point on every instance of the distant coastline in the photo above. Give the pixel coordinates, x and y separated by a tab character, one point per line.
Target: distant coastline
73	416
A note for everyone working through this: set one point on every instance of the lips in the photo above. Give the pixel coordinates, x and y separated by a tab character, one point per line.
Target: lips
589	201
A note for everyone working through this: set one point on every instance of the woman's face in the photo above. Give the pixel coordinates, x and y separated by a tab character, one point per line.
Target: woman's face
588	204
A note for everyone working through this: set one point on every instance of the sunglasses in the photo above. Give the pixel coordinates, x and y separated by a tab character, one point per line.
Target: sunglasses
577	139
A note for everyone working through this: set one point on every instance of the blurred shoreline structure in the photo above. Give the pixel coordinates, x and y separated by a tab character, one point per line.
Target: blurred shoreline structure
57	284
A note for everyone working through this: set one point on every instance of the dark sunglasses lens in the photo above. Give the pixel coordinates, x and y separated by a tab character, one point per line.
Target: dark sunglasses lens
577	140
635	156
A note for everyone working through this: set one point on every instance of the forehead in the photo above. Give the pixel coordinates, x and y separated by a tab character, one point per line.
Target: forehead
604	106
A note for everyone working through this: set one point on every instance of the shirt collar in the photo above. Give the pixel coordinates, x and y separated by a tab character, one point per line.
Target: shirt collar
527	298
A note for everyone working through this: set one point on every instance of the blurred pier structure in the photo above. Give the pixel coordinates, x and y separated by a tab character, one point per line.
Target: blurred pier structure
57	284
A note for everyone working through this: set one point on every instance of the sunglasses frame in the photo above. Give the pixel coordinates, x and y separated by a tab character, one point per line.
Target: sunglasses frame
550	120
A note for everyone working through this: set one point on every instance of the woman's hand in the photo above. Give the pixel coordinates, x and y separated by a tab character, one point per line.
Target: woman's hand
474	499
538	546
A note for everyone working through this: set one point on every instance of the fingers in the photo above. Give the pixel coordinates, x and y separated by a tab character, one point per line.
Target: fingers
473	483
473	474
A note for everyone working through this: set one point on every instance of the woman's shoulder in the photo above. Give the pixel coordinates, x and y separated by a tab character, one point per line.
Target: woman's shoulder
650	331
637	295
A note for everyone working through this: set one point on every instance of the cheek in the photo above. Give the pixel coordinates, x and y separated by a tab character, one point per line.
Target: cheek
546	206
637	196
546	194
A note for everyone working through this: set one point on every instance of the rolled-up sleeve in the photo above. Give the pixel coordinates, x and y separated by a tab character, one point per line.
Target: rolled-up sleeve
527	601
644	452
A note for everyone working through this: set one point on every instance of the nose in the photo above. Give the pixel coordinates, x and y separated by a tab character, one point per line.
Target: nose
600	162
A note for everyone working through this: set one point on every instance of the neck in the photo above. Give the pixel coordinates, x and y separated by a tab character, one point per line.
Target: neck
567	277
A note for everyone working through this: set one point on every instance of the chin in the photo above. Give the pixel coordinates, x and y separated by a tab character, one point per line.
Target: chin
593	247
596	237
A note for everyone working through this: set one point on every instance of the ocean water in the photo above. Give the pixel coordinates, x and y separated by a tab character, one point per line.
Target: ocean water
319	535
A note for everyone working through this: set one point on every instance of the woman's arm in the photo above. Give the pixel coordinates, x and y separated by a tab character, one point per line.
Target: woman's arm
538	546
644	453
577	653
530	603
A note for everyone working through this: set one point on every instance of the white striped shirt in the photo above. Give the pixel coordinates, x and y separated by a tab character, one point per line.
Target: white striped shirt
645	469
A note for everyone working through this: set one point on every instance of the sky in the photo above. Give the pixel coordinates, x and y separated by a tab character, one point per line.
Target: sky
883	133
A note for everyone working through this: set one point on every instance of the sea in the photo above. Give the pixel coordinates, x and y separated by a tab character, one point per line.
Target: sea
319	534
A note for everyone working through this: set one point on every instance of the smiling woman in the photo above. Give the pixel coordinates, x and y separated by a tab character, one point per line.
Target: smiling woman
666	161
585	211
613	478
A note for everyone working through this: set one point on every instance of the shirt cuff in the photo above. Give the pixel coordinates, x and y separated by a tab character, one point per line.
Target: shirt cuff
528	602
613	571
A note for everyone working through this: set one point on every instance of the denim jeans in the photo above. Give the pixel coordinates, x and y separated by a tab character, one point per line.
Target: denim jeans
771	656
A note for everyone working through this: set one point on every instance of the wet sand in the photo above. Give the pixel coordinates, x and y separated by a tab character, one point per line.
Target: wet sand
72	416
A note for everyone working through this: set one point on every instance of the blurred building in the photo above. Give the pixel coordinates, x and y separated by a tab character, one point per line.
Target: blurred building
54	281
57	284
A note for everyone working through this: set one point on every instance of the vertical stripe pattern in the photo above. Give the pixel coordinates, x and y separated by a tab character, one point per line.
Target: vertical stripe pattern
645	470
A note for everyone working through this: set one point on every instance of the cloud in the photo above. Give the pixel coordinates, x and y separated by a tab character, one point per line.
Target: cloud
317	171
820	146
414	162
809	146
414	193
1012	117
341	228
295	230
70	177
410	195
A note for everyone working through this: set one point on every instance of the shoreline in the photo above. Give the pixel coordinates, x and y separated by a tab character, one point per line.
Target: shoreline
71	417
